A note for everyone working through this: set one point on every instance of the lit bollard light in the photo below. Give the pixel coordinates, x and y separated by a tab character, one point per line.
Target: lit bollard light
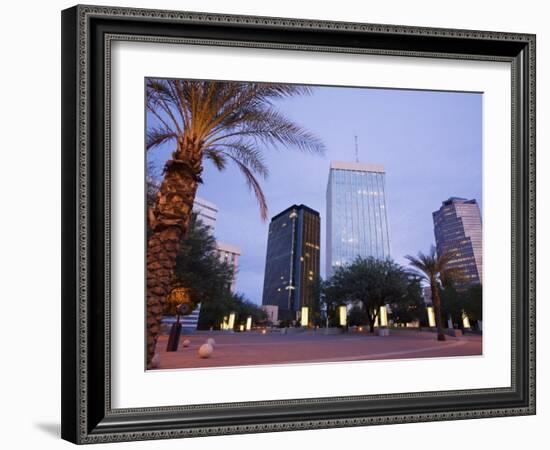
231	323
343	315
431	316
383	316
465	321
304	316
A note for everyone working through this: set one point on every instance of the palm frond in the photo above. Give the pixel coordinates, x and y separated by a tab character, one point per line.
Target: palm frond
219	160
250	156
157	136
226	121
253	185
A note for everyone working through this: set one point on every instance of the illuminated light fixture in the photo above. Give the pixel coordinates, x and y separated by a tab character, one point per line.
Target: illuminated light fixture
377	321
343	315
465	320
248	323
264	332
231	323
241	327
304	316
383	316
431	316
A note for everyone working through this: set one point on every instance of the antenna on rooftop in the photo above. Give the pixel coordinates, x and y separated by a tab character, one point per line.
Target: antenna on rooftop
356	148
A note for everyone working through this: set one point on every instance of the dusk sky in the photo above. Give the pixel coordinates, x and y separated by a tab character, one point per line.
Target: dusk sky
429	142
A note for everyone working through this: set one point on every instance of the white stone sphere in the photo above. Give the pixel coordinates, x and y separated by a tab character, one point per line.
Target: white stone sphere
186	343
205	350
155	361
211	341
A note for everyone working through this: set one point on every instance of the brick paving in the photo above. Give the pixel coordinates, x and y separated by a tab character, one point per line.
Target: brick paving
252	348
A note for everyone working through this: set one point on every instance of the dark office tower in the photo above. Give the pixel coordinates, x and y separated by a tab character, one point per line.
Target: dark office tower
457	228
292	261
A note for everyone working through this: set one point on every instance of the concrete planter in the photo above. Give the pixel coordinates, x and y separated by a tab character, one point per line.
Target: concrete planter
453	332
382	331
332	331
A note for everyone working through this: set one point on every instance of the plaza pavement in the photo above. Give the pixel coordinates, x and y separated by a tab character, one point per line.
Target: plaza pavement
253	348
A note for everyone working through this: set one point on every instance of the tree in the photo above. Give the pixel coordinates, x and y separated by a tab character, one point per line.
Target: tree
433	268
357	316
411	306
473	305
452	302
369	282
456	302
332	297
199	267
315	300
222	122
213	312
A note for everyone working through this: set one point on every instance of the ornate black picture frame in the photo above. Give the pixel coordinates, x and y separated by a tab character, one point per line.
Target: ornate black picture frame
87	34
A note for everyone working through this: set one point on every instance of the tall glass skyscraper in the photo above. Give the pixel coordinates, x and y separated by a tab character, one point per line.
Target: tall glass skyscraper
357	220
457	229
293	260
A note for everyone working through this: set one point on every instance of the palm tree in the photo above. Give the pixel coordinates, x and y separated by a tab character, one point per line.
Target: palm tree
433	268
222	122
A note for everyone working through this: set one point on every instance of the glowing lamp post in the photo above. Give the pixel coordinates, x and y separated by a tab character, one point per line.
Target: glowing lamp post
231	323
180	300
304	316
431	316
343	315
465	320
383	316
248	323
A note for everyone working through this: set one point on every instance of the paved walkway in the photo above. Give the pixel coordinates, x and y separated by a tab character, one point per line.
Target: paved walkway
246	349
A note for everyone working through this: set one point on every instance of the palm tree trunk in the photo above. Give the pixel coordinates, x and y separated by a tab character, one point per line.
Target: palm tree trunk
437	311
169	221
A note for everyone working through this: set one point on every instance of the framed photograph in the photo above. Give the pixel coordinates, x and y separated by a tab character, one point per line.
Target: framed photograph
281	224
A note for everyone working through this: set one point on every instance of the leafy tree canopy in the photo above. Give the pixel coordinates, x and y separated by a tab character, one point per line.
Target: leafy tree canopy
369	282
411	306
199	267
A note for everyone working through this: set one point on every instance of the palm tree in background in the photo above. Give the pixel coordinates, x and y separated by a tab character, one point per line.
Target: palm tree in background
224	123
433	268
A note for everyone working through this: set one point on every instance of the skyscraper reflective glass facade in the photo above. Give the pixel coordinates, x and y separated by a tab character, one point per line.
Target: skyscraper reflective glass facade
293	260
457	229
357	221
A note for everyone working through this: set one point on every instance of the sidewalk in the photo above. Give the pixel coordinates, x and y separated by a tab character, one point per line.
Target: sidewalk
246	349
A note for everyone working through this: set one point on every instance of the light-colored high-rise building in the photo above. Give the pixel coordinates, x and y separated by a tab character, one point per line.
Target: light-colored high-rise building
230	254
357	220
457	229
206	211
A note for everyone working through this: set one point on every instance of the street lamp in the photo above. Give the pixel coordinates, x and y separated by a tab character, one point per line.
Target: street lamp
179	296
